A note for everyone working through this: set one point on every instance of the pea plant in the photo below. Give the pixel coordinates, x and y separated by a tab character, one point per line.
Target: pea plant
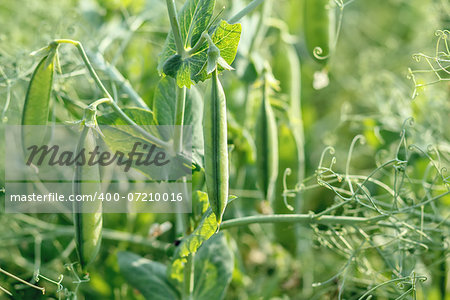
235	77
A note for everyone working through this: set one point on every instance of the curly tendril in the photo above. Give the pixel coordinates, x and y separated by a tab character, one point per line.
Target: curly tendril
438	65
286	192
318	51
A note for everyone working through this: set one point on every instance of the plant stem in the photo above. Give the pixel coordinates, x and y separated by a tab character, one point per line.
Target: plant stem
205	36
5	291
52	231
107	234
151	138
178	137
245	11
171	8
99	101
197	46
261	27
179	118
189	277
116	76
300	218
183	221
91	70
178	144
23	281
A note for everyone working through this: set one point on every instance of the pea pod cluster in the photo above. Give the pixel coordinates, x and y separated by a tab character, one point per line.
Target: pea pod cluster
216	148
87	216
266	145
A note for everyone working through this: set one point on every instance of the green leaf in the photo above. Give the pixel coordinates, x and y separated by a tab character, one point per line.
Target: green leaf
140	116
188	68
200	204
190	244
194	18
172	65
147	276
226	37
213	269
164	105
122	138
193	69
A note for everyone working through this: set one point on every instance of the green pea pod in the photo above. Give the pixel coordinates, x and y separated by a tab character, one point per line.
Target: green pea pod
87	215
37	101
266	146
291	154
288	158
318	28
216	147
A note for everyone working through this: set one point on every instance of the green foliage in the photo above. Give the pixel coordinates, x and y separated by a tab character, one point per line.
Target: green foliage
360	185
214	264
122	138
190	244
148	277
194	18
192	69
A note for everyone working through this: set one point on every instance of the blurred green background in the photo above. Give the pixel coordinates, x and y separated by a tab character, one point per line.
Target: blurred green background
368	94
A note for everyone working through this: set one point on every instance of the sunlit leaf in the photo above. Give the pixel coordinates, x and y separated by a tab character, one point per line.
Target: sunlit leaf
190	244
193	69
214	264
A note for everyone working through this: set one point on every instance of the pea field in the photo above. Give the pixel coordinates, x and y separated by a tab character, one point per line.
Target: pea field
311	138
